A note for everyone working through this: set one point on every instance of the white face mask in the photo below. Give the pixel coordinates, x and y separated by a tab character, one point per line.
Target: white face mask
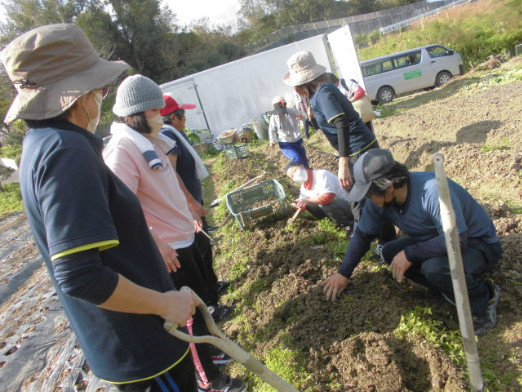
300	175
93	122
155	123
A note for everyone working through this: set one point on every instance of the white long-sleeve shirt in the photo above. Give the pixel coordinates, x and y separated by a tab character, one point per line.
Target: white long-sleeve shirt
283	127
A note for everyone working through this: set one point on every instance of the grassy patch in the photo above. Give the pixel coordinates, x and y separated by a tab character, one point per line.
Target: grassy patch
485	148
10	199
515	208
418	322
385	110
11	151
475	30
283	362
239	267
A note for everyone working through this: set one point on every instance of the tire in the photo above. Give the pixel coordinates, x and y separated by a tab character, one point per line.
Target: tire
443	77
385	94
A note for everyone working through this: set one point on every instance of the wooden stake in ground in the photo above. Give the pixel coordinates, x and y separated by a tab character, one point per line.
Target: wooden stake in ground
460	289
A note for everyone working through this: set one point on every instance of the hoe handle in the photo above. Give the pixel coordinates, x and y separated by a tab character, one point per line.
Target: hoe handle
290	220
229	347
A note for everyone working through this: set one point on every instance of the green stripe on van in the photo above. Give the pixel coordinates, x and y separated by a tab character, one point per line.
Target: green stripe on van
413	74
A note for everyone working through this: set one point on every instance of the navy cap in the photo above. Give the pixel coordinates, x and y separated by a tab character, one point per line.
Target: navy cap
373	164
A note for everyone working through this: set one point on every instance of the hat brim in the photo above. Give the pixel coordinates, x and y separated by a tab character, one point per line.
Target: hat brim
167	110
305	76
359	191
52	100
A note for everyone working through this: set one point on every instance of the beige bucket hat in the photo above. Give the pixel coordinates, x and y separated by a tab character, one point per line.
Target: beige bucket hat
51	67
302	69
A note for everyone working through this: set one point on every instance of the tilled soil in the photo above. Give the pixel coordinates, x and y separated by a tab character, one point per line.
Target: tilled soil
348	345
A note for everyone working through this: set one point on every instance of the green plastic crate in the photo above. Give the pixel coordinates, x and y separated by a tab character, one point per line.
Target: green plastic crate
237	151
256	201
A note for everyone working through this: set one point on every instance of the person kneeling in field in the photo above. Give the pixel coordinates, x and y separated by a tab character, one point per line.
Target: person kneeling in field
321	194
411	202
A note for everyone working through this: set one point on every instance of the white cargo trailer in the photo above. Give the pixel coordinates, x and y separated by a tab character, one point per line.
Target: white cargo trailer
235	93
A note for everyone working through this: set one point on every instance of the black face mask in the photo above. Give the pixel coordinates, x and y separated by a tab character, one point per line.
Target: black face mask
279	108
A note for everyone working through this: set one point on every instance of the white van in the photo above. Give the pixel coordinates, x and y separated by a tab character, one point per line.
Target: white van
388	76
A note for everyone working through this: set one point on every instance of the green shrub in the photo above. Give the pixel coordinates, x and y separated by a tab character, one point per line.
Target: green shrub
12	141
11	151
10	199
475	30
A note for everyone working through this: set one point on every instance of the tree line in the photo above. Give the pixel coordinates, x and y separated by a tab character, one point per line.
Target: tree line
148	36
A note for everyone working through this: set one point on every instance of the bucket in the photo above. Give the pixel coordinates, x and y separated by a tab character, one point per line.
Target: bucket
227	137
261	127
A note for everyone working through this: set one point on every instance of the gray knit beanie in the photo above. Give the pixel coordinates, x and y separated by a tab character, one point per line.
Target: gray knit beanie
136	94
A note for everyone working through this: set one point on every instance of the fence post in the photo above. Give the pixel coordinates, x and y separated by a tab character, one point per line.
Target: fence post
460	290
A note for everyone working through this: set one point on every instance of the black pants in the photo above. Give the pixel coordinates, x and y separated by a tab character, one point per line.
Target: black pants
369	124
192	274
310	123
180	378
205	247
435	273
338	211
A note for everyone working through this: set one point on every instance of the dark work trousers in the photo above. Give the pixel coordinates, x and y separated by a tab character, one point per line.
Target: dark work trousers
205	247
180	378
193	274
338	211
310	123
369	124
435	273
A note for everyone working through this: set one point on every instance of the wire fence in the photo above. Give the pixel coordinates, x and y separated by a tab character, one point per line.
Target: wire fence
385	21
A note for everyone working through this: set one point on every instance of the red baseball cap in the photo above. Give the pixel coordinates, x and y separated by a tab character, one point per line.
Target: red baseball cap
171	105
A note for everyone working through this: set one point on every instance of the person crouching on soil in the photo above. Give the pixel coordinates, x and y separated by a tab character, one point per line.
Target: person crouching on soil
321	195
137	154
410	200
284	130
89	227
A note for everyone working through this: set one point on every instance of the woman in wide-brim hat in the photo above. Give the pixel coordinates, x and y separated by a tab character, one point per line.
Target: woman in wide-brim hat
89	227
337	119
334	113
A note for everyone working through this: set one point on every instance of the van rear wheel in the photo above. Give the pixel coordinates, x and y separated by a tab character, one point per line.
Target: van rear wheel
442	78
385	94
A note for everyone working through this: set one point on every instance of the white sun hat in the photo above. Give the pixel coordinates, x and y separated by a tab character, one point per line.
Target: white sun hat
302	69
